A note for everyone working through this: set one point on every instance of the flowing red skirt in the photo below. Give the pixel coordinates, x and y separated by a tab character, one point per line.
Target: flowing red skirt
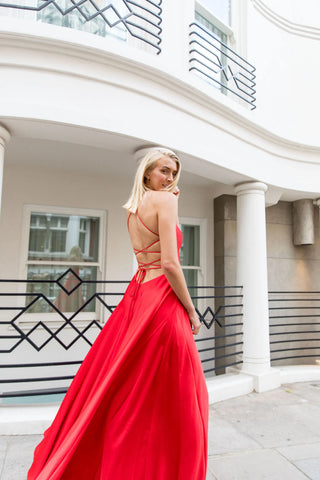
138	407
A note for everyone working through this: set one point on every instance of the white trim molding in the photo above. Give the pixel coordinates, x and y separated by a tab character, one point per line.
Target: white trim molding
285	24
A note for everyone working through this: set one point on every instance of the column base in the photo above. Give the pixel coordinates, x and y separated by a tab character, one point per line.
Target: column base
264	381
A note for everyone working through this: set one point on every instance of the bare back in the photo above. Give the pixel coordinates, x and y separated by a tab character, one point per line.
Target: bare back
145	239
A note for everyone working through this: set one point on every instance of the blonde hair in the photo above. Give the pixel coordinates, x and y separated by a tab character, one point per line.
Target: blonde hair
148	163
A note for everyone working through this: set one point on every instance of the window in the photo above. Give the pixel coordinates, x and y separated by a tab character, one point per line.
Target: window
59	240
192	253
211	58
215	15
210	26
77	18
220	8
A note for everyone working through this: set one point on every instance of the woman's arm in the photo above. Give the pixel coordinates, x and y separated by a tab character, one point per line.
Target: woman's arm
167	211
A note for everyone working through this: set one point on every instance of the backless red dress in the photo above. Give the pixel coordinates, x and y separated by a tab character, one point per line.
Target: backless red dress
137	408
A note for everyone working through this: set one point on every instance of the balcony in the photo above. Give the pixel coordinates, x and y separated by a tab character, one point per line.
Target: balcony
152	27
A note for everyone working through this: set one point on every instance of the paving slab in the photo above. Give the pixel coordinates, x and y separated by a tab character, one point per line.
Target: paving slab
225	437
277	418
19	455
273	435
254	465
301	452
310	467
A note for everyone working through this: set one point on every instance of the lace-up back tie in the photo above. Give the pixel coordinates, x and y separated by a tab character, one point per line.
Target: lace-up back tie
144	266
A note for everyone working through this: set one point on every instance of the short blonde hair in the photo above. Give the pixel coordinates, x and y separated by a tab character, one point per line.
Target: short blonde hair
148	163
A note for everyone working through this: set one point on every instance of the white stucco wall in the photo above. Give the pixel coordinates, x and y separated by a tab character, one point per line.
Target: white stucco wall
80	81
283	44
39	186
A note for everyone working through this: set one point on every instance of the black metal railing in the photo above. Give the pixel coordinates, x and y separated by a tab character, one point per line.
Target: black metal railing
219	65
44	350
222	308
140	20
294	327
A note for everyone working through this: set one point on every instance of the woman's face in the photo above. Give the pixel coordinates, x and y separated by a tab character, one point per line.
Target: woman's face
162	175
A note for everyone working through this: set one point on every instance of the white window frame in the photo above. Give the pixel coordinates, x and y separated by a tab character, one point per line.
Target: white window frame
83	317
202	223
226	29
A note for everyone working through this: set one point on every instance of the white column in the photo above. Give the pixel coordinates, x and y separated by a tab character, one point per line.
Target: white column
252	274
4	138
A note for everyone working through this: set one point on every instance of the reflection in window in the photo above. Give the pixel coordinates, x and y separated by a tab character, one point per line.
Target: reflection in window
211	27
219	8
52	237
190	253
73	240
74	19
55	294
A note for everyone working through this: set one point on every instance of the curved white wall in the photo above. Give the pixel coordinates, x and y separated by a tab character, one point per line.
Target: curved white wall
284	45
57	76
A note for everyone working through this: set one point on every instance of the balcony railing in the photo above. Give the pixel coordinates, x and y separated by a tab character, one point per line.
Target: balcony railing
139	23
215	62
140	20
40	353
294	327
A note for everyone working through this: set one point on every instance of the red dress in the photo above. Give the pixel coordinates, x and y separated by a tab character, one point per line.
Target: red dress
138	407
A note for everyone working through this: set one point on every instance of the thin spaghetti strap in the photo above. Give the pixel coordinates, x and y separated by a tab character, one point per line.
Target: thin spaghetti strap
154	233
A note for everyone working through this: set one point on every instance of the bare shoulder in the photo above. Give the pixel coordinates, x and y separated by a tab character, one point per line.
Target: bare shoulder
162	199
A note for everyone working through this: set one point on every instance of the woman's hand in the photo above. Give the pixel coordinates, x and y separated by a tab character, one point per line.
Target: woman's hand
195	322
176	191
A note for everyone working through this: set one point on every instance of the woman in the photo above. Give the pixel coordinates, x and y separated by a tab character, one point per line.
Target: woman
138	407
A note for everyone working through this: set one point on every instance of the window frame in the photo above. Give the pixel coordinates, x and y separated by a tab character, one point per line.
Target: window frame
28	209
202	224
226	29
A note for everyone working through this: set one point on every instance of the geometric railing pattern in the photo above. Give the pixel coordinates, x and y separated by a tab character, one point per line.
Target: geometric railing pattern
216	63
138	19
56	342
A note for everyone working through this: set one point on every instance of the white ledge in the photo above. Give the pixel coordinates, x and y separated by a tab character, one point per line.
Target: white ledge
299	373
285	24
239	122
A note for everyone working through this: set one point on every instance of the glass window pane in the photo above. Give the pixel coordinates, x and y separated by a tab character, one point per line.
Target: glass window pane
73	238
58	241
210	26
64	222
220	8
82	241
190	250
41	220
37	240
53	220
54	295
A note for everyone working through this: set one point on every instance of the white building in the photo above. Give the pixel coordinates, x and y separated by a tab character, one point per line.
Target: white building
85	88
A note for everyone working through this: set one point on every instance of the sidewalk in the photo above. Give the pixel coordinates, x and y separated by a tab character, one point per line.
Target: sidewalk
270	436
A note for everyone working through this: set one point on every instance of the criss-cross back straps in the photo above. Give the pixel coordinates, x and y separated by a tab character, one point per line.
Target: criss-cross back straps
144	266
